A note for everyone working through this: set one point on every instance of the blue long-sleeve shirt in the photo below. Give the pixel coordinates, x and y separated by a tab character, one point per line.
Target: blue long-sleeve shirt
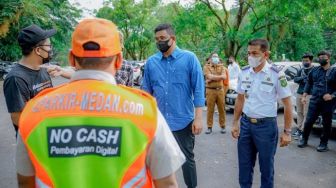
177	83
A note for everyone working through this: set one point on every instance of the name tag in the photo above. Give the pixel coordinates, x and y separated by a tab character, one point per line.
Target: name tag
267	83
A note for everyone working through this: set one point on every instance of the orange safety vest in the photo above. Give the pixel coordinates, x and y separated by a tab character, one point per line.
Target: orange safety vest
89	133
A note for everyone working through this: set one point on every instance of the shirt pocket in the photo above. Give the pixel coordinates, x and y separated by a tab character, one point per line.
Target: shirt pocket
266	87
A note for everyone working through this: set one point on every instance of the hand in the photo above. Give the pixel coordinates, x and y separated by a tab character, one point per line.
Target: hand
303	100
285	139
327	97
55	71
235	130
197	126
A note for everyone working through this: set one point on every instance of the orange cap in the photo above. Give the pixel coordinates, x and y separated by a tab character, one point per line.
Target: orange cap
100	31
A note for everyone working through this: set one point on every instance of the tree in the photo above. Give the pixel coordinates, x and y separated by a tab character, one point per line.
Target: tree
135	22
15	15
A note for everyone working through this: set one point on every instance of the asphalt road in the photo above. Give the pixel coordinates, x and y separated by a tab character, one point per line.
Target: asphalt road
216	157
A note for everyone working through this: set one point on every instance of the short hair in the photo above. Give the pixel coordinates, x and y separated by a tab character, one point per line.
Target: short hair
308	55
93	62
210	56
324	52
263	43
26	50
165	26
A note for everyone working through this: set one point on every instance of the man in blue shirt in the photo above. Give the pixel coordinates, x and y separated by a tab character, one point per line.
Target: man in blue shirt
174	77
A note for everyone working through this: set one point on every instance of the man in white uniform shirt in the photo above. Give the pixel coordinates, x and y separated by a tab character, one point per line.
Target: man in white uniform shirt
234	68
259	86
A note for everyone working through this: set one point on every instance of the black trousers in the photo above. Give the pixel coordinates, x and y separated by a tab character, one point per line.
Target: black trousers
186	140
318	106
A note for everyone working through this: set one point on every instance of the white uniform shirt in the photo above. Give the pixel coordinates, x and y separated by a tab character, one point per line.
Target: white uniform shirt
234	70
262	90
164	156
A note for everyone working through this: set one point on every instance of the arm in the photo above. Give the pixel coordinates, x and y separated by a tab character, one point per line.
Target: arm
309	84
285	138
216	77
287	112
239	104
166	182
146	84
55	71
298	78
197	84
26	181
24	168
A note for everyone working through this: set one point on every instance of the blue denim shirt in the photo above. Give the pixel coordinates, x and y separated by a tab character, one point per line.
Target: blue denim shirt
177	83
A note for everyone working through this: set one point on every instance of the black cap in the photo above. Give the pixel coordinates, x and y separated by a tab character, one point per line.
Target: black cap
32	35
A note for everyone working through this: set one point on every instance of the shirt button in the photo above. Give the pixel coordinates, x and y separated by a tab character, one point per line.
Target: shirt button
166	82
166	93
166	103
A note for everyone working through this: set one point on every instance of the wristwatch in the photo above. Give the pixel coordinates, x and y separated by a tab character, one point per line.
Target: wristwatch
288	131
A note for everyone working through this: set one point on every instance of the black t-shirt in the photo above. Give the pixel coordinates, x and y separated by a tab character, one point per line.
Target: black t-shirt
22	84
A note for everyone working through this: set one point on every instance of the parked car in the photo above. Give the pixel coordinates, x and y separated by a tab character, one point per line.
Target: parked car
5	68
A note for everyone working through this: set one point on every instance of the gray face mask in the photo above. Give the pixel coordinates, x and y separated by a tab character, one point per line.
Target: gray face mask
215	60
163	46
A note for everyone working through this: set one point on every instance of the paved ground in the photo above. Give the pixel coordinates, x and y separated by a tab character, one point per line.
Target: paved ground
216	157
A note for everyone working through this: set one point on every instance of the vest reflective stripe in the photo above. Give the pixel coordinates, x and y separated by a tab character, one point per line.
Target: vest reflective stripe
44	119
40	184
137	181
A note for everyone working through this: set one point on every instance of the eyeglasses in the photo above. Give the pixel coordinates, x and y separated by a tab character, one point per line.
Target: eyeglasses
45	45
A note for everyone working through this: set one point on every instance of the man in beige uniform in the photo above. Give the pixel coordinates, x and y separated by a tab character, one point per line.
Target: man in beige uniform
214	73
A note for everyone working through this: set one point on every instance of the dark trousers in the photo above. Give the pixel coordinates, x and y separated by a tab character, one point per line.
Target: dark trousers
257	138
186	140
317	106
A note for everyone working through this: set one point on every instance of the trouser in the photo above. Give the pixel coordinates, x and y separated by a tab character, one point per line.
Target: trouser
317	106
302	110
215	97
257	138
186	140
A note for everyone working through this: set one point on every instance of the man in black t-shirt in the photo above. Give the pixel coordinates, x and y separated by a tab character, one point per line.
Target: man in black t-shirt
27	78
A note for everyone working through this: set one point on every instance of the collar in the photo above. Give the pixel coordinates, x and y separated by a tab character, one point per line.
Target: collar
265	69
176	51
93	75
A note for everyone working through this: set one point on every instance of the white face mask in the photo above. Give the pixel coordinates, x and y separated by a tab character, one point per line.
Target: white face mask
215	60
254	61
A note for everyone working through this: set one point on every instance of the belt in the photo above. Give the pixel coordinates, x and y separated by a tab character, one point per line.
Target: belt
216	88
258	120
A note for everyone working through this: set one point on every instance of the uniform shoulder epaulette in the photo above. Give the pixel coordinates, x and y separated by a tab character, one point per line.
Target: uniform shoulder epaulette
245	67
277	68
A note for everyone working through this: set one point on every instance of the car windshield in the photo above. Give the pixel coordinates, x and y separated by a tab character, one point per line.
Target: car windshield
292	71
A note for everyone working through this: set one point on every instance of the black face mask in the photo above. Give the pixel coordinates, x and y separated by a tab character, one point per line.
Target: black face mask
163	46
323	62
47	59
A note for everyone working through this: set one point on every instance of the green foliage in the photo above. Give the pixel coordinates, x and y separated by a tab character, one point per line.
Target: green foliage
58	14
134	20
292	27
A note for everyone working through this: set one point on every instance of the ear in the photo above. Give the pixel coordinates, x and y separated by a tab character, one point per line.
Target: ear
37	50
72	59
267	54
119	60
